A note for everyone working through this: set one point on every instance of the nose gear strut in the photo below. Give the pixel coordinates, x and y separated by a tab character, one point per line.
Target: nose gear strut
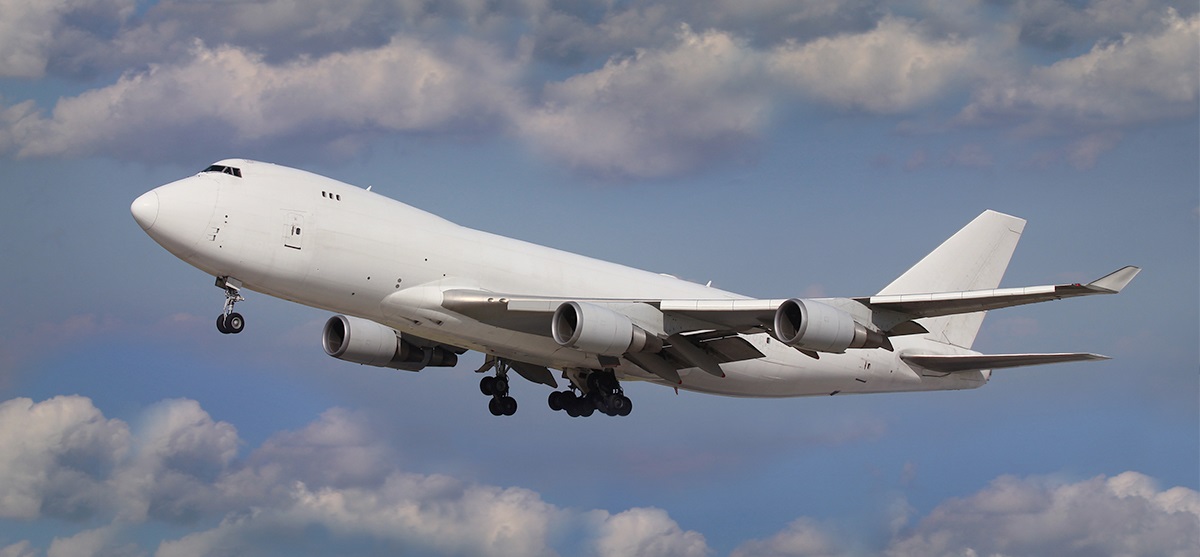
230	322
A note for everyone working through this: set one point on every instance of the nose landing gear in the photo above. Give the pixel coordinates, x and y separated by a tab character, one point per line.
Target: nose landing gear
230	322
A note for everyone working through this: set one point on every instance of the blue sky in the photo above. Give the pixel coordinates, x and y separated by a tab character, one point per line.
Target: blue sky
775	148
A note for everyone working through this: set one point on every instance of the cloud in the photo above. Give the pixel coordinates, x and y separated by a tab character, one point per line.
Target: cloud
333	486
658	112
1125	514
1057	24
629	90
56	457
231	97
888	69
33	31
801	538
647	533
1140	79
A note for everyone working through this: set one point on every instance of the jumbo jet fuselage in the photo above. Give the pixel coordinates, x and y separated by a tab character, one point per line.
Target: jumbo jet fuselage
326	244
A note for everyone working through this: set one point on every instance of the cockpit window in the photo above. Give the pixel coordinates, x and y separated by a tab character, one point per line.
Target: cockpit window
222	169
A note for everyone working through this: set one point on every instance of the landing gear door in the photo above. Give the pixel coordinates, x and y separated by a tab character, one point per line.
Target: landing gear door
293	231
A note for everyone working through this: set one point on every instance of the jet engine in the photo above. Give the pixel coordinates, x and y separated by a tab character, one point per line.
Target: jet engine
366	342
599	330
815	326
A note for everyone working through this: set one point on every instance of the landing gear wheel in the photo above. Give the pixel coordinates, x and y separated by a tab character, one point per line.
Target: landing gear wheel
234	323
494	407
487	385
556	401
508	405
622	405
221	324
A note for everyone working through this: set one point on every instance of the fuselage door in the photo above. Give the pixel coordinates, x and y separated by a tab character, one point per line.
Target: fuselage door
293	231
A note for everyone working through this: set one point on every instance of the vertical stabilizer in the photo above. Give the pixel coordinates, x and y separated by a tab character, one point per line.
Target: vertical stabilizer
974	258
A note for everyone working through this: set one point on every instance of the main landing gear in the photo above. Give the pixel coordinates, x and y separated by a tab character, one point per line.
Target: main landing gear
230	322
603	392
496	386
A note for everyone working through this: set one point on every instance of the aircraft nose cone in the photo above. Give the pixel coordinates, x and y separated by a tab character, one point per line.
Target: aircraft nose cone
145	209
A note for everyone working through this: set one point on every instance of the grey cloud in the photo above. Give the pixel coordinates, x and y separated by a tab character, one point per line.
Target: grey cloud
1057	24
34	33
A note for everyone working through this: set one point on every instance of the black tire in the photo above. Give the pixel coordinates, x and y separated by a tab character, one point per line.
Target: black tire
500	386
508	405
494	407
235	323
625	406
487	385
555	400
221	324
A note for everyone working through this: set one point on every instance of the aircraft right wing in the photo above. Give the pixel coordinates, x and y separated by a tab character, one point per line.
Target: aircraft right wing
949	303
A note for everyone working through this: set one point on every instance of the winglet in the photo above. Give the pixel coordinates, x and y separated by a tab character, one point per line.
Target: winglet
1115	281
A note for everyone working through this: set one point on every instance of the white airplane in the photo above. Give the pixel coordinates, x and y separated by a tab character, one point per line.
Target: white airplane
413	290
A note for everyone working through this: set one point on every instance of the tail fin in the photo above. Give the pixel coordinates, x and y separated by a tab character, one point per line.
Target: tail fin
974	258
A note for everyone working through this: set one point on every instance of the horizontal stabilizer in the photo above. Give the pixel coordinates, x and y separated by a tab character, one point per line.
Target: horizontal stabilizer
976	362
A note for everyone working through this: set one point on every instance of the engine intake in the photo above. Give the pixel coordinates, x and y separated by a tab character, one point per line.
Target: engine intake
599	330
815	326
366	342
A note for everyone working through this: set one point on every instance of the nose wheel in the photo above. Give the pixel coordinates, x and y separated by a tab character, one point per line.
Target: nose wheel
230	322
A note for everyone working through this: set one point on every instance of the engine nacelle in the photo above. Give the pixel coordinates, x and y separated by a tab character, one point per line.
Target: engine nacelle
815	326
599	330
366	342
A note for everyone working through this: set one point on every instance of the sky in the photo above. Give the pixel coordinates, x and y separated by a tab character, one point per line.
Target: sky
776	148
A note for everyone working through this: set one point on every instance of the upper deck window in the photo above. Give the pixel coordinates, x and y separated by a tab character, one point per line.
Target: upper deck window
231	170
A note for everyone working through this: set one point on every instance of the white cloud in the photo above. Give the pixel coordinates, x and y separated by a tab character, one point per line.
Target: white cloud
56	456
888	69
801	538
647	533
656	113
1140	79
334	484
1123	515
232	97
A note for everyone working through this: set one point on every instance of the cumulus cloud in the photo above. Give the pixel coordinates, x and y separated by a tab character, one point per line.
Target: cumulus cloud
801	538
229	96
890	68
56	457
1139	79
329	484
656	112
334	485
33	31
1125	514
637	89
647	533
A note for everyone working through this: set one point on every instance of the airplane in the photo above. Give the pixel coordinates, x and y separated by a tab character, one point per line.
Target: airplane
412	290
